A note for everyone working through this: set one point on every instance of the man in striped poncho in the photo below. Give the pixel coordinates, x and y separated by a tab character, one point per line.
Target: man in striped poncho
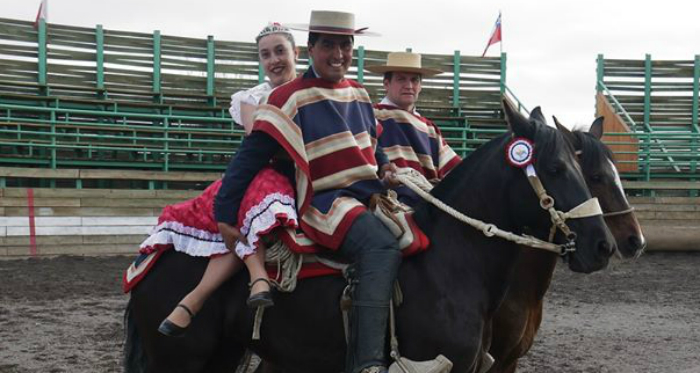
326	125
408	139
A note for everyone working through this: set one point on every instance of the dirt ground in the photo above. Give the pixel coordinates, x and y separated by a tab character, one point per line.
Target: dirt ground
65	315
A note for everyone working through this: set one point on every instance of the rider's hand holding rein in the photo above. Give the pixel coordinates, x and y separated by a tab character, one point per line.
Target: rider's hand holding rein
387	174
231	235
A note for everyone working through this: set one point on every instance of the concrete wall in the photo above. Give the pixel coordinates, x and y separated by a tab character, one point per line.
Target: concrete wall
79	221
669	223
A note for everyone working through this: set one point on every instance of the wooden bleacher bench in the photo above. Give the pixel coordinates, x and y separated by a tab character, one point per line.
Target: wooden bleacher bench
100	174
146	95
662	185
196	133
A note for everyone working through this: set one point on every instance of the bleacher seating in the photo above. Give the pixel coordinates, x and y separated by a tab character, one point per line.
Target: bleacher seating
90	98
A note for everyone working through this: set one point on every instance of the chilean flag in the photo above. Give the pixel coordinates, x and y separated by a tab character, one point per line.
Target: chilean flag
43	13
495	35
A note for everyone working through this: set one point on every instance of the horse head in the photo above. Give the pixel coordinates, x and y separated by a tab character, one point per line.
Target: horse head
556	167
603	181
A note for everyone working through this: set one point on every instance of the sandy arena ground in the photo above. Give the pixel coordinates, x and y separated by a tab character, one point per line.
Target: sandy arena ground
65	315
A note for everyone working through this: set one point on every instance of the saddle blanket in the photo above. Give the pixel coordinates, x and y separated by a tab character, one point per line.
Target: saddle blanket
144	262
410	237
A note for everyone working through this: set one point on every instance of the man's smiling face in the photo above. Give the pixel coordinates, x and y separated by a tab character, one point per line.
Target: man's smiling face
332	56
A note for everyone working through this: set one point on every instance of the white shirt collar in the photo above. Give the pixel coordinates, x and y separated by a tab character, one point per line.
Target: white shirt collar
387	101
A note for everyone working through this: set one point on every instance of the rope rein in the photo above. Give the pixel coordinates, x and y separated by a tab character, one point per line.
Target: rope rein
288	266
415	181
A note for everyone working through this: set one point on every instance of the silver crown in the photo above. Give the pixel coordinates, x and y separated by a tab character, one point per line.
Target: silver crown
272	28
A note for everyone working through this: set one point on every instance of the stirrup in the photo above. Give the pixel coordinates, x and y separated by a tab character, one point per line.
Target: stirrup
375	369
170	329
440	364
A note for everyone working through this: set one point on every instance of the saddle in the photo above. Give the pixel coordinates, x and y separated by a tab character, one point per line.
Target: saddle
293	256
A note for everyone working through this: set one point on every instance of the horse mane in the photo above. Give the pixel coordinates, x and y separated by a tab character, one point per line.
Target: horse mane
462	177
593	150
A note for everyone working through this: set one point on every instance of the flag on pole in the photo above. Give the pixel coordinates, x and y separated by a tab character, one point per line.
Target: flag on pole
43	13
495	34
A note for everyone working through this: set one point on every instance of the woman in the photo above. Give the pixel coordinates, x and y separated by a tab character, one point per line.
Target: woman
190	226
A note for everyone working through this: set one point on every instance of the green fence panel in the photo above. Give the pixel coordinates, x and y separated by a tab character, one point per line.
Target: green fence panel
42	52
99	58
361	64
456	74
156	62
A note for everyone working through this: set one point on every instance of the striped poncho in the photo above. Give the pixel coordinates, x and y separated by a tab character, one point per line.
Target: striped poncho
412	141
329	131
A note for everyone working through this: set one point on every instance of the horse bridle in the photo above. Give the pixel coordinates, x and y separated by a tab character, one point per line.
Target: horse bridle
629	210
589	208
415	181
618	213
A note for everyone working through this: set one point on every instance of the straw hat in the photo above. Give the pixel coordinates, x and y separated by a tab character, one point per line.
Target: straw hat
403	62
331	22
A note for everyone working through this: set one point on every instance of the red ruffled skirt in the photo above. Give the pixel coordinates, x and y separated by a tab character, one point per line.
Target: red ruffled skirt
190	227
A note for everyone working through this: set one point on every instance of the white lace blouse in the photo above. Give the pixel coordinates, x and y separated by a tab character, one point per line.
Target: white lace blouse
251	96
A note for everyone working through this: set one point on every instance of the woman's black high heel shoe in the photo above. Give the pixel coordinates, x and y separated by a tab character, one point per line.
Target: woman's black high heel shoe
169	328
261	299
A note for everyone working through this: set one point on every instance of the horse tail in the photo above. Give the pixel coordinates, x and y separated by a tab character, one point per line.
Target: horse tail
134	357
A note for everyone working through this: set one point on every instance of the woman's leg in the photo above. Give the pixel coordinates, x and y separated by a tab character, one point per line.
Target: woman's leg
255	263
218	270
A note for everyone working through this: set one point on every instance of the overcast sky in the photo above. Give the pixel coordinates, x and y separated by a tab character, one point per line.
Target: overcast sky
551	44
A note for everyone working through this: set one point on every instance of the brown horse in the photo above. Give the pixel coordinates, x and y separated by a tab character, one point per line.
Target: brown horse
518	318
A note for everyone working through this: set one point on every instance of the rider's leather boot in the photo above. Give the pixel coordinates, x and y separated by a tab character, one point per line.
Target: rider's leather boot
376	256
366	350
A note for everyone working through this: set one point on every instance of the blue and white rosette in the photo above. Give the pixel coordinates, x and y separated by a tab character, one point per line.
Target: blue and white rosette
520	152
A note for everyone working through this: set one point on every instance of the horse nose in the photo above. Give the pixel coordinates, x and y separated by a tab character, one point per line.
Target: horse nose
605	248
635	242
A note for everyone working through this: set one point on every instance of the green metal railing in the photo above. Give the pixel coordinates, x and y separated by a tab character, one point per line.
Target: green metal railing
128	64
513	97
659	101
148	140
648	140
661	94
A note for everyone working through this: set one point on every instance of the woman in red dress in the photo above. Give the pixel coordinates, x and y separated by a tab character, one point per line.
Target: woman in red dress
190	227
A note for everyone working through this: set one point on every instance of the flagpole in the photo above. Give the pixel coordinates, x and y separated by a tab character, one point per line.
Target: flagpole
496	31
488	44
43	13
500	16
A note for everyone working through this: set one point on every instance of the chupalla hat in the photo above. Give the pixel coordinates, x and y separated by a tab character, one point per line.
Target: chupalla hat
403	62
332	22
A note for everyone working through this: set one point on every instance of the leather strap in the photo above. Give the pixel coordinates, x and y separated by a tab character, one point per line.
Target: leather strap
189	311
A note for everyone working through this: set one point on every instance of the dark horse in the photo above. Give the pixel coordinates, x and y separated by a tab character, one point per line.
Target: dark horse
518	318
450	292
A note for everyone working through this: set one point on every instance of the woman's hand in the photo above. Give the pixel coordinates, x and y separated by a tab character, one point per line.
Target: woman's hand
387	174
231	235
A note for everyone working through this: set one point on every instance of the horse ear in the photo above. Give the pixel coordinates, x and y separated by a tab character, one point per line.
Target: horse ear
597	128
520	125
568	135
536	114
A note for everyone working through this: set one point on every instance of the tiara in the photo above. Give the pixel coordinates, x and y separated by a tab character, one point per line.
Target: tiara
272	28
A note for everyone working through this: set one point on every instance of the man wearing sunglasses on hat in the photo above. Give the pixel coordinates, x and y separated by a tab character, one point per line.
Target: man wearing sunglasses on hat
326	125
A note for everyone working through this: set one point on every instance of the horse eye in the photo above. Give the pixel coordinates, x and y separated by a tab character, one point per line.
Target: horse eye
596	178
555	169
